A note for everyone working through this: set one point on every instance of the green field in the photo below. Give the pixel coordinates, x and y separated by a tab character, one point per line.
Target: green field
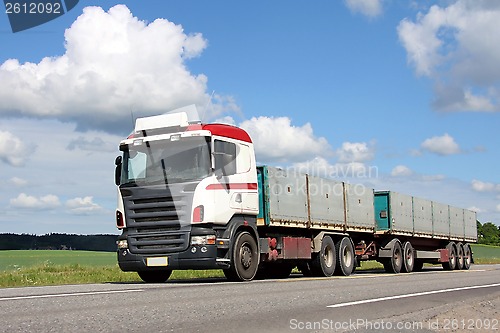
12	260
38	267
486	254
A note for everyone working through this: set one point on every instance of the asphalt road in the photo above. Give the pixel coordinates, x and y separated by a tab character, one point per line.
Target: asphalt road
364	302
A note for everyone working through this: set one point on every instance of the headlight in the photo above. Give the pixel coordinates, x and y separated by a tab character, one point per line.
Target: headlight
203	240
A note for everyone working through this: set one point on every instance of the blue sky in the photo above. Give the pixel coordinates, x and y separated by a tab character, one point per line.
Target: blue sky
409	91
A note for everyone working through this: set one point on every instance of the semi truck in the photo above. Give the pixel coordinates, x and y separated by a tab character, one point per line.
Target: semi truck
191	196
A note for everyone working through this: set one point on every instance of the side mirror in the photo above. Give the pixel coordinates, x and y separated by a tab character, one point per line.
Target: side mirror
224	164
118	170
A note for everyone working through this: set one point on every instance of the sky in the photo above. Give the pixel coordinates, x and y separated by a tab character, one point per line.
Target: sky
395	95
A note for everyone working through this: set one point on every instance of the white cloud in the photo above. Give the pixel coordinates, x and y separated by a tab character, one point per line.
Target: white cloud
370	8
83	206
481	186
12	150
401	171
498	208
355	152
24	201
475	209
450	45
114	64
18	182
276	139
441	145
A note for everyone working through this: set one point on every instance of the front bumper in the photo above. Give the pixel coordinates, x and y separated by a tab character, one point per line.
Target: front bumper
195	257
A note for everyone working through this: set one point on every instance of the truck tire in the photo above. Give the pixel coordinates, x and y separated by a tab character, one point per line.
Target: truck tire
467	257
408	258
460	256
346	257
244	259
155	276
452	257
394	264
323	262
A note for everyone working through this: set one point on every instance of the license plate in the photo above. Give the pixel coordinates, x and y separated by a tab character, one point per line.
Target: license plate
157	261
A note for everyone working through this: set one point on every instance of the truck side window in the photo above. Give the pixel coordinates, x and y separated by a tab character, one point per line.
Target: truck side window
225	157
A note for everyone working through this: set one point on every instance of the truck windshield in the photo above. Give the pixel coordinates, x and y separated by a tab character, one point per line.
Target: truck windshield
166	161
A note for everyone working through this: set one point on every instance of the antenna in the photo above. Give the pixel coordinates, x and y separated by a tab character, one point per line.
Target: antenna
132	117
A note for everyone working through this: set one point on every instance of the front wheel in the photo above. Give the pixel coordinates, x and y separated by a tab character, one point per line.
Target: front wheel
155	276
245	258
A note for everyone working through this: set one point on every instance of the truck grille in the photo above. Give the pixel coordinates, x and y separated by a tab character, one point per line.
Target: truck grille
157	220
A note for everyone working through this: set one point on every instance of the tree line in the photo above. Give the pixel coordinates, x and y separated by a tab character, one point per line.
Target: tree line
488	233
54	241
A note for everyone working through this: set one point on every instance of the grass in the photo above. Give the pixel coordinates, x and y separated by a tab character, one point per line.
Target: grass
486	254
42	268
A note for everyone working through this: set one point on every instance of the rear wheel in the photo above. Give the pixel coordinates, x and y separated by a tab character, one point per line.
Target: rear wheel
323	263
394	264
345	257
460	256
408	258
452	257
245	258
155	276
467	256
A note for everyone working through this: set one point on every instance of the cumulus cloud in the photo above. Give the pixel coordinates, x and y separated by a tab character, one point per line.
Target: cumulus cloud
12	150
441	145
370	8
276	139
24	201
480	186
450	45
114	64
83	206
355	152
401	171
18	182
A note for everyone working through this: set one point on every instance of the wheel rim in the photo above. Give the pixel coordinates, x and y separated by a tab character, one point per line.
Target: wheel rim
246	255
347	257
466	256
328	257
397	257
409	256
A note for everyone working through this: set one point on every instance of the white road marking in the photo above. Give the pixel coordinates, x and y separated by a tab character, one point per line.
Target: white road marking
71	294
388	298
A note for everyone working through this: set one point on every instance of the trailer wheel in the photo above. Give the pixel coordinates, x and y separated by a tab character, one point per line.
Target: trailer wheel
345	257
323	263
460	256
452	257
245	258
394	264
408	258
155	276
467	257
